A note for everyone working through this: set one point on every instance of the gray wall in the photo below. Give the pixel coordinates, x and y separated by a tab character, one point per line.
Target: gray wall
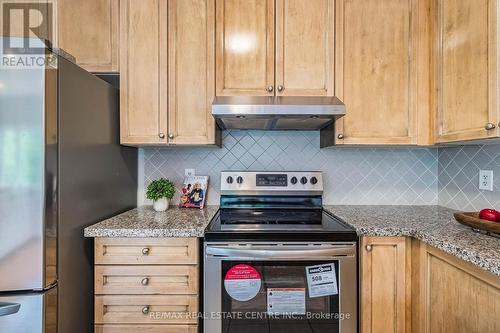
459	176
404	176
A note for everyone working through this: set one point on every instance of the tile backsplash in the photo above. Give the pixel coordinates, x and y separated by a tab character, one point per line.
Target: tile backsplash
459	176
385	176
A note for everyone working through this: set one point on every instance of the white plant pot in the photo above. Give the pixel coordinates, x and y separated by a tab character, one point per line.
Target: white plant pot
161	205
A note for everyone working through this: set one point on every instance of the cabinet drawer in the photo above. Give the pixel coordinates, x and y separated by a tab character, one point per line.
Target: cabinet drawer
146	280
156	309
146	328
146	251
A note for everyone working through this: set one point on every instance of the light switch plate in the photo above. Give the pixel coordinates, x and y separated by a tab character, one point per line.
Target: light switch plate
189	172
486	180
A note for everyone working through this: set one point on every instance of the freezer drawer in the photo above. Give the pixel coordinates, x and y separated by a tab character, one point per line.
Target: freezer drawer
29	313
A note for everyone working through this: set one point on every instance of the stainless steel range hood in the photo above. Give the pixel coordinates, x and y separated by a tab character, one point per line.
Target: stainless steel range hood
277	113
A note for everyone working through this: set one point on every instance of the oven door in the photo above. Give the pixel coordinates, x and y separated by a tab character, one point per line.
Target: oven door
277	287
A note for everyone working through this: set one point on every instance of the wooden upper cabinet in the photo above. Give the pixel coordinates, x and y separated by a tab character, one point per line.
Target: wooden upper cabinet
305	47
191	88
167	72
382	69
88	30
245	47
142	121
467	69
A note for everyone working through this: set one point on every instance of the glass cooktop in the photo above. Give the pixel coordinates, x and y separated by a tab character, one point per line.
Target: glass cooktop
283	223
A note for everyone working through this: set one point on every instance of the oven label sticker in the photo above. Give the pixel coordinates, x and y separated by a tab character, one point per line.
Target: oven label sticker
242	282
321	280
286	301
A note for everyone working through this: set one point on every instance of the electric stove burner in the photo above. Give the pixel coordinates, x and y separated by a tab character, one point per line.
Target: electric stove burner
270	217
275	206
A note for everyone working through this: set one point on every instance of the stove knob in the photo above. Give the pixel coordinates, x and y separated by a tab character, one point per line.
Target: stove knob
303	180
239	180
314	180
229	180
293	180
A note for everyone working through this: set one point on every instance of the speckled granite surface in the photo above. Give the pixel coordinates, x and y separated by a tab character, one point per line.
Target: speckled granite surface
433	225
145	222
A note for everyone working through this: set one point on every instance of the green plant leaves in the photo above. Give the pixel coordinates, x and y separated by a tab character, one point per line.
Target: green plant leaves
160	188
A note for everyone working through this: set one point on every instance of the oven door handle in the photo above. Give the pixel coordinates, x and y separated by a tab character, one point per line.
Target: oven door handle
305	253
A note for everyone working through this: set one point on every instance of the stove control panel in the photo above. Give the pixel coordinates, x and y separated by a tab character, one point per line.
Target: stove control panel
271	180
241	182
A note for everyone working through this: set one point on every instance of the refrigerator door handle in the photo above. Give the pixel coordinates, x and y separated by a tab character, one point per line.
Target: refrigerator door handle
7	309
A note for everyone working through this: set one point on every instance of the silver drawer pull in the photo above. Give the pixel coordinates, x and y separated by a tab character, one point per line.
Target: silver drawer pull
145	310
369	248
145	251
145	281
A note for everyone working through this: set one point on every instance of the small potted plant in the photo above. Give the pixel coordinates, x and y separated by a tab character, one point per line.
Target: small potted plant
161	191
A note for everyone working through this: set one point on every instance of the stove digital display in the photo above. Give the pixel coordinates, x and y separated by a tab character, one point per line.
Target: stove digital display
271	180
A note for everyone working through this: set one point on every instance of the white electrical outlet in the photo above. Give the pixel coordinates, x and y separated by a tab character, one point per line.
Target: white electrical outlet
189	172
486	180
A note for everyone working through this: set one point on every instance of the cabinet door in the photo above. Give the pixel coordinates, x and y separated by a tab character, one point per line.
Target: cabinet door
452	295
385	284
378	58
467	69
191	40
142	119
88	30
245	47
305	47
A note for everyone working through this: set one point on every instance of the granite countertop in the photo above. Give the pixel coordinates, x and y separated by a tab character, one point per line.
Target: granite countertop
433	225
145	222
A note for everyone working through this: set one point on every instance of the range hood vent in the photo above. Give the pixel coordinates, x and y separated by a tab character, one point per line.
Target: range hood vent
277	112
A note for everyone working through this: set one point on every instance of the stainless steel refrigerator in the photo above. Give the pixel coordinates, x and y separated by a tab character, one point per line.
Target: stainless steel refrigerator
61	169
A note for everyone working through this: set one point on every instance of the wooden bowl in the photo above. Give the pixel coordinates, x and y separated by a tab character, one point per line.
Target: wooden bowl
472	220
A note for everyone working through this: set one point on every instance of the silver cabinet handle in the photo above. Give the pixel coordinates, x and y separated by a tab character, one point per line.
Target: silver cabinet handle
327	252
270	89
369	248
145	251
161	136
340	136
7	309
281	88
145	310
145	281
171	136
489	126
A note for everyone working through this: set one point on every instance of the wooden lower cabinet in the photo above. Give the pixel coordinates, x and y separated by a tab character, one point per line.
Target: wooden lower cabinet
146	285
146	251
451	295
409	286
385	283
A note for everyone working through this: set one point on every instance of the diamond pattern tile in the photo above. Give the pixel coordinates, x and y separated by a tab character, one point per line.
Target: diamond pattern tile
459	176
353	176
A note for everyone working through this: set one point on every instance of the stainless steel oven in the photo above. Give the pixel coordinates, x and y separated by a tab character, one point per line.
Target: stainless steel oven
281	267
275	261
